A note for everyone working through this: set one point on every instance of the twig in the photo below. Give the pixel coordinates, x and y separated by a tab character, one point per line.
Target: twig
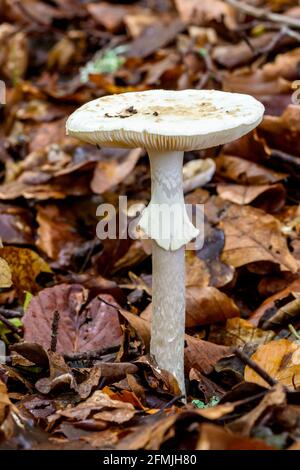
263	14
7	313
293	331
10	325
170	403
54	331
253	365
284	31
285	157
90	355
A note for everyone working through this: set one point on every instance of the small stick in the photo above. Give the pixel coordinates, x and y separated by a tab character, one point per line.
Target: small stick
7	313
54	331
10	325
90	355
262	14
294	331
253	365
170	403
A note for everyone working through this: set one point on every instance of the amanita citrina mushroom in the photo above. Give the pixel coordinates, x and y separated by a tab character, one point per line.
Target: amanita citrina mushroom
167	123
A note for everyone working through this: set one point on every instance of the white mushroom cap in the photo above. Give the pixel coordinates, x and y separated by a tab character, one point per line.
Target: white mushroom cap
166	120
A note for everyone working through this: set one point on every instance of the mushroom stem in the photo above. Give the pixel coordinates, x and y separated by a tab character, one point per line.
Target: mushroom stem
165	220
168	311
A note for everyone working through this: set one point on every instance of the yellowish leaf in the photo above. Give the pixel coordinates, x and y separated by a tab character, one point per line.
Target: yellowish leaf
25	265
281	360
5	274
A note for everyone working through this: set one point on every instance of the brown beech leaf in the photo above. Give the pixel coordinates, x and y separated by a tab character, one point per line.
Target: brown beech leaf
239	332
62	379
141	325
214	437
272	401
284	312
5	403
208	305
98	406
15	225
265	89
200	13
60	375
233	55
270	198
252	235
204	305
204	267
82	326
282	132
107	15
56	235
246	172
25	265
110	173
158	379
270	306
12	425
16	60
281	360
155	36
149	436
203	355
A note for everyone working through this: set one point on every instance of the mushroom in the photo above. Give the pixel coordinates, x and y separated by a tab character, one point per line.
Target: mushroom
167	123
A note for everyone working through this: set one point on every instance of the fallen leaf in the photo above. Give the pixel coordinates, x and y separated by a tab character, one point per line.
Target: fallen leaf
272	401
270	198
56	235
82	326
15	225
208	305
99	406
25	265
271	305
239	332
110	173
60	376
155	36
281	360
252	235
140	325
246	172
204	267
5	274
191	11
286	311
107	15
204	305
203	355
214	437
282	132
